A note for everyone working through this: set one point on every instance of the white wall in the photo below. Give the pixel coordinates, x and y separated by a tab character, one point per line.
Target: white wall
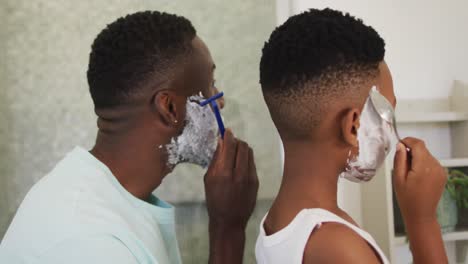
427	40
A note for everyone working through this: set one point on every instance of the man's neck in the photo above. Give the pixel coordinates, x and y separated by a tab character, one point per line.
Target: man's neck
138	167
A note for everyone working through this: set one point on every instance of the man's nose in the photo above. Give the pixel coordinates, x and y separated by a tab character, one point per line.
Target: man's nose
220	101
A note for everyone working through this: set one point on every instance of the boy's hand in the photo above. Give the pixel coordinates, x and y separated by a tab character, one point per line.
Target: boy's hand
419	181
231	183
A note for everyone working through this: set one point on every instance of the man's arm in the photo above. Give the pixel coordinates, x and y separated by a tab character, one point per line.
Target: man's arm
226	244
231	186
95	249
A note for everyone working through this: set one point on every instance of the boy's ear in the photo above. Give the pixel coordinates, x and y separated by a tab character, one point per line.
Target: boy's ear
350	125
169	107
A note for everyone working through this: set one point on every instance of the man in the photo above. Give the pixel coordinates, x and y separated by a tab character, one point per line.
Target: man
317	72
147	73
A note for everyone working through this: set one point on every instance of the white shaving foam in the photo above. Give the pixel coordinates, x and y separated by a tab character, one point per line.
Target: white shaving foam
198	140
374	137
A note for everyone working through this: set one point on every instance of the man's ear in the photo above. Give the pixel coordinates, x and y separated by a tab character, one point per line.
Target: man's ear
169	108
350	125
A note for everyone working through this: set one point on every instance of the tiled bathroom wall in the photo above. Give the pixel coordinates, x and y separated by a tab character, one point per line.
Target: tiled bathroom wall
45	107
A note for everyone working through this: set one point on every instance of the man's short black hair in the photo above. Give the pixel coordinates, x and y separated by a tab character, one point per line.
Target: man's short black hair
135	51
312	57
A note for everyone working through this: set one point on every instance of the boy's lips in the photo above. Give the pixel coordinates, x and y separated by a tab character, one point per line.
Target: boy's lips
366	171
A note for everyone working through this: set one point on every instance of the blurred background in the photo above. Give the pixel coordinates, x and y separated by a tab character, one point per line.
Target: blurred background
46	110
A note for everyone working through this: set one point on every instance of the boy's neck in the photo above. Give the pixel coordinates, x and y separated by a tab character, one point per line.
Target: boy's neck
310	180
311	175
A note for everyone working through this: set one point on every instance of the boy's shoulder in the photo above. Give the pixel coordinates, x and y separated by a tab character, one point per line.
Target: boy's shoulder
337	243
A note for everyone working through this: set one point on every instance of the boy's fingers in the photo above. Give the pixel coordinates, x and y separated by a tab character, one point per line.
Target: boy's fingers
400	165
419	152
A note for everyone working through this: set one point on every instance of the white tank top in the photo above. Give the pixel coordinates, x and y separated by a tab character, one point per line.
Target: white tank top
288	244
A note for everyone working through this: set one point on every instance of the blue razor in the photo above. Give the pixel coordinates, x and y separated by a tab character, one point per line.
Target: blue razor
214	105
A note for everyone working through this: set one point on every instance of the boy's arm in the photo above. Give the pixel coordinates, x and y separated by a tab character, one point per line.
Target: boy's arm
419	181
231	186
337	243
426	242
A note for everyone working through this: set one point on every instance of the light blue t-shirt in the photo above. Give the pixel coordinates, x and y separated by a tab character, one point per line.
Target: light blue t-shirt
79	213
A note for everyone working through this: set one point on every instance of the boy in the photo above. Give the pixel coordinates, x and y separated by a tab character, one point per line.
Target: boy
317	71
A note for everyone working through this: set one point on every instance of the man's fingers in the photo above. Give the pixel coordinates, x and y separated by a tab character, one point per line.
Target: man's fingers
242	161
230	144
214	161
252	168
216	154
400	164
219	148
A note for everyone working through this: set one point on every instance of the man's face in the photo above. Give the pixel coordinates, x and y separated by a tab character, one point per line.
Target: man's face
202	70
197	140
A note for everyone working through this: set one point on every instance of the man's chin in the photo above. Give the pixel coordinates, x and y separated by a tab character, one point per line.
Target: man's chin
201	164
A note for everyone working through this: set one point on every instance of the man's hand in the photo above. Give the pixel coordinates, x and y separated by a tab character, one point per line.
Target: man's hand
419	181
231	186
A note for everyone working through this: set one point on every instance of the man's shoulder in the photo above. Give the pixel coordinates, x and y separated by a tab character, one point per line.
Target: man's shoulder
89	249
57	190
50	211
337	243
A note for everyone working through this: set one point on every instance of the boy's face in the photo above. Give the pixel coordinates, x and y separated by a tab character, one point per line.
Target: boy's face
371	135
385	83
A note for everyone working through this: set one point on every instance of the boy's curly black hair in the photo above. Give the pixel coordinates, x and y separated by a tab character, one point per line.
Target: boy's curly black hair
136	50
312	57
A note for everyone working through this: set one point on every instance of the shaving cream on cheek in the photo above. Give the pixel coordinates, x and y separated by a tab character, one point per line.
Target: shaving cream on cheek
198	140
374	138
